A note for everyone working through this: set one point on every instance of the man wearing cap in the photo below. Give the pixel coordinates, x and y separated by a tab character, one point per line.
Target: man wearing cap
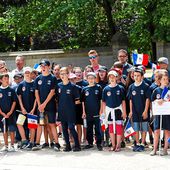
163	63
123	57
44	92
94	60
91	101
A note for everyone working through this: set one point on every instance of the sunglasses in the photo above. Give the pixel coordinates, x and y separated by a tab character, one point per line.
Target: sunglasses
92	57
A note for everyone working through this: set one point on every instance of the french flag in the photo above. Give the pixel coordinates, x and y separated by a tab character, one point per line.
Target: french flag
155	66
140	59
165	94
102	122
129	131
32	121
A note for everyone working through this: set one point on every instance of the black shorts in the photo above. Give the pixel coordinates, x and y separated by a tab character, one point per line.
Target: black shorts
49	117
8	126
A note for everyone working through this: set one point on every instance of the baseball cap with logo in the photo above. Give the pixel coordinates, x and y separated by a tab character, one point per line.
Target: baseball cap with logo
45	62
163	60
92	74
112	72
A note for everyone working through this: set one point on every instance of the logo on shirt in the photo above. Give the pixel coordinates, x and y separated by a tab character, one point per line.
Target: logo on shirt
118	92
158	96
1	95
59	90
108	93
23	88
9	93
49	82
31	89
86	93
40	82
142	92
96	92
134	93
68	91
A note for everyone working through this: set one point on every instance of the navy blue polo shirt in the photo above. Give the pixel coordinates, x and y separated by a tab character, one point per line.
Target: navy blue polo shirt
103	84
149	82
44	84
27	92
125	69
67	95
113	96
7	97
82	83
91	96
156	94
138	95
153	86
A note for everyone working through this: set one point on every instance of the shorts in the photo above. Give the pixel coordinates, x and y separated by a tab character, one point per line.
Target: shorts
165	122
49	117
141	126
119	128
8	128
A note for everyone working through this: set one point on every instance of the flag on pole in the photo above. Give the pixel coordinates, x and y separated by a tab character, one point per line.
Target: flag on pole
32	121
102	122
142	59
4	124
129	131
165	94
155	66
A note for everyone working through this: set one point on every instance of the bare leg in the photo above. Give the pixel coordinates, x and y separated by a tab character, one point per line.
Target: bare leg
12	136
156	139
5	138
21	132
54	132
79	131
39	132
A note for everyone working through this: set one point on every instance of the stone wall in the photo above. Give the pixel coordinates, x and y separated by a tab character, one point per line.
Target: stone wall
75	57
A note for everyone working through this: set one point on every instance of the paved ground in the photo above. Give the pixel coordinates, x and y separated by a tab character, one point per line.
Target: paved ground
84	160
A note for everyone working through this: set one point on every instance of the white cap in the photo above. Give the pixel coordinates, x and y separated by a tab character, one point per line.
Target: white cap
113	73
29	69
72	76
163	60
91	74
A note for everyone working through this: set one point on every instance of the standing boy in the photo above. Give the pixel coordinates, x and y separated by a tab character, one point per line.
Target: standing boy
7	106
67	96
91	101
139	96
44	93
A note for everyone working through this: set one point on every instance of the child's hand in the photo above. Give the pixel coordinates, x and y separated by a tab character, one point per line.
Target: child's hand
124	115
41	107
83	115
160	101
6	116
145	115
130	115
23	111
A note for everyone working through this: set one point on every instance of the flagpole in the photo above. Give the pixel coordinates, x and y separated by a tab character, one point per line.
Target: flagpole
160	136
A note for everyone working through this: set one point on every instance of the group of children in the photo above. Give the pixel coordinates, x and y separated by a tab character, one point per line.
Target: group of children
64	96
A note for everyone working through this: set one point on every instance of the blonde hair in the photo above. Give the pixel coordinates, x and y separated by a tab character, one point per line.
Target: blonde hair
64	69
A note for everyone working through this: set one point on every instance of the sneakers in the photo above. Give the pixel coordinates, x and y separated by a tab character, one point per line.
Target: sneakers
77	149
24	144
141	148
88	146
99	147
52	144
57	147
67	148
45	145
4	149
153	153
29	147
135	148
36	147
11	149
123	144
164	153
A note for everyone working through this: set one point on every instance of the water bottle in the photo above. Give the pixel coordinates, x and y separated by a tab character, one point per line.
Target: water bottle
41	118
85	123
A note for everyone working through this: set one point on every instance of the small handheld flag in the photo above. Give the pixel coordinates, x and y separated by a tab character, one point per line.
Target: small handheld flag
165	94
129	131
142	59
154	66
32	121
102	122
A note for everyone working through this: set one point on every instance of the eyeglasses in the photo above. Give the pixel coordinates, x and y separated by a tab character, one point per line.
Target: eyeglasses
92	57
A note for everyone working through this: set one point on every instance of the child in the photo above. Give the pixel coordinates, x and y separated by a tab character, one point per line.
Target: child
139	96
44	92
165	118
114	107
26	97
68	95
8	100
91	102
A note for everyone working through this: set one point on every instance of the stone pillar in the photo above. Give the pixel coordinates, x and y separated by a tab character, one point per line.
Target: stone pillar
119	41
163	50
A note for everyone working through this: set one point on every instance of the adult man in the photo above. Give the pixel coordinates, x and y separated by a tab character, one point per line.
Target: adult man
94	60
20	62
123	57
163	63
